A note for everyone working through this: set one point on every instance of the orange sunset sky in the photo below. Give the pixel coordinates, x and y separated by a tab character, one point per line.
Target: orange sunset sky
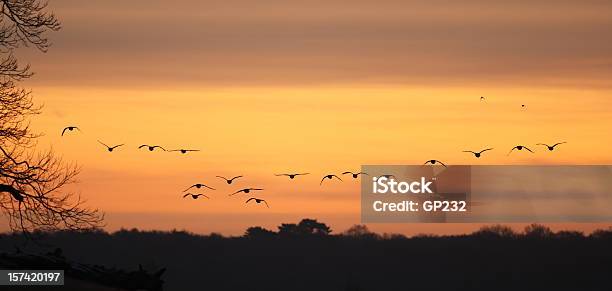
264	87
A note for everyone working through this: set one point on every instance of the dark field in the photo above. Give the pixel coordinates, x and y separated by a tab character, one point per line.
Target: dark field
310	259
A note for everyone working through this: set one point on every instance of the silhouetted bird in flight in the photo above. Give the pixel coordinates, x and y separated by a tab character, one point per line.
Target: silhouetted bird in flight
198	185
258	201
329	177
110	149
246	190
229	181
184	151
433	162
478	154
195	196
355	175
520	148
523	106
551	147
69	128
482	98
151	147
291	176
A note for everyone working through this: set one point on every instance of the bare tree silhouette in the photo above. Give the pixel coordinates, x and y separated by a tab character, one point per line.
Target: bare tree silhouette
30	181
538	231
495	231
360	231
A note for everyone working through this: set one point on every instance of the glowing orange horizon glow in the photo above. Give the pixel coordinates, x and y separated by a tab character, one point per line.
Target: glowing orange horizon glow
259	132
320	87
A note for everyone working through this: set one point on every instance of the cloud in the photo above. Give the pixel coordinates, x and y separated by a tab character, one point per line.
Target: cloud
287	43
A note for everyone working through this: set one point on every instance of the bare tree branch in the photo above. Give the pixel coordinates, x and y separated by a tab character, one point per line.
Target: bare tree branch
25	22
31	195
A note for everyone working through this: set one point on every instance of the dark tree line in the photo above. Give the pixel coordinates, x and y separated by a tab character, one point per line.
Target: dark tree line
313	228
493	258
306	227
31	181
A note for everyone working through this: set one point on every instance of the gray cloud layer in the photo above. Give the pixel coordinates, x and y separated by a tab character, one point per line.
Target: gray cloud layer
304	42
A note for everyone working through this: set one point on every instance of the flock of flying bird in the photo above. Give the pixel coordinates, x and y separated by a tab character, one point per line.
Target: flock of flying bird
229	181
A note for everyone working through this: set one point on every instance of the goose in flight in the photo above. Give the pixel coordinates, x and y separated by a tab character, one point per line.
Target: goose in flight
355	175
291	176
229	181
70	128
110	149
433	162
246	191
331	176
184	151
478	154
551	147
520	148
195	196
151	147
198	185
258	201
